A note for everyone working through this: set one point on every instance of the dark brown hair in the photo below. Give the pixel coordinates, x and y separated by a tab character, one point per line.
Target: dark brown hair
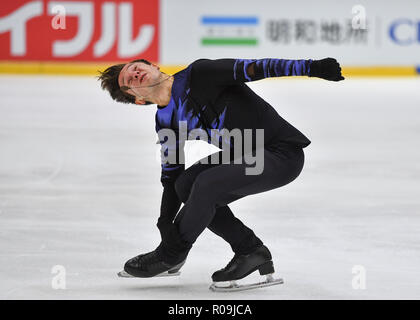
109	81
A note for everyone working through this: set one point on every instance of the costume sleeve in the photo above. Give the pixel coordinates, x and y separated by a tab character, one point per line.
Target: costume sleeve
171	169
234	71
170	205
172	154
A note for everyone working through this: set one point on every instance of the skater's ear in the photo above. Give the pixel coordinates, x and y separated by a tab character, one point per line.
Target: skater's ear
139	101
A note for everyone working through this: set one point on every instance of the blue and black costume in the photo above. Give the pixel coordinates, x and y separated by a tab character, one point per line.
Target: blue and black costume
212	94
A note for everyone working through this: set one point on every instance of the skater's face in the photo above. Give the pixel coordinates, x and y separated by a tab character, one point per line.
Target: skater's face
138	77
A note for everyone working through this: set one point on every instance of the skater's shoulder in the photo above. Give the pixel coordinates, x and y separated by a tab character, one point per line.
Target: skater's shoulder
181	84
164	115
184	75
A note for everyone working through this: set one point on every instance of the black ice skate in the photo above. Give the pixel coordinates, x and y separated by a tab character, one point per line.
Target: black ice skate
243	265
149	265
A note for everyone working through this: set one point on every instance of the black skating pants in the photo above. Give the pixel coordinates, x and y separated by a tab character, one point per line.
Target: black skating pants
207	189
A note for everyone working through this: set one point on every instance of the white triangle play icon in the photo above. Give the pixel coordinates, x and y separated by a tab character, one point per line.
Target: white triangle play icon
197	149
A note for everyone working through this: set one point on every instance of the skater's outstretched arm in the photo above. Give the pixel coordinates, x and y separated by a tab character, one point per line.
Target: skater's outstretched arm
234	71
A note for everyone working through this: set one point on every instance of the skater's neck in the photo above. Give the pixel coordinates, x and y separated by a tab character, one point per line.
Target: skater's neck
163	95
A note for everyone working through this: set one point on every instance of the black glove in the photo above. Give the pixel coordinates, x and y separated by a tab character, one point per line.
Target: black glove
172	246
328	69
166	229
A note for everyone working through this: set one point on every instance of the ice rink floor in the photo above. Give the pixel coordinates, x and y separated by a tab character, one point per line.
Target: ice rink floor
80	189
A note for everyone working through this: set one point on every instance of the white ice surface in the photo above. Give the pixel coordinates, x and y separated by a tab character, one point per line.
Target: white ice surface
79	187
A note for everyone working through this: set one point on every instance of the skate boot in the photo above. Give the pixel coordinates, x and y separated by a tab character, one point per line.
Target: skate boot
165	260
243	265
150	265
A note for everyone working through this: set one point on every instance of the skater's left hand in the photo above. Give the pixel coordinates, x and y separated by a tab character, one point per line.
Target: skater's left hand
328	69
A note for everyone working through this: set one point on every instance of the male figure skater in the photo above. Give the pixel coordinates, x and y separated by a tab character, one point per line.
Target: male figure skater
212	95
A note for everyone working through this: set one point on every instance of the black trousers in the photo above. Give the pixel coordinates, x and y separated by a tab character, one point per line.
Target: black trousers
207	189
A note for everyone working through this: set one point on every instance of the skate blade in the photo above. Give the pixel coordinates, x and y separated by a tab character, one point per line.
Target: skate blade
123	274
234	287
